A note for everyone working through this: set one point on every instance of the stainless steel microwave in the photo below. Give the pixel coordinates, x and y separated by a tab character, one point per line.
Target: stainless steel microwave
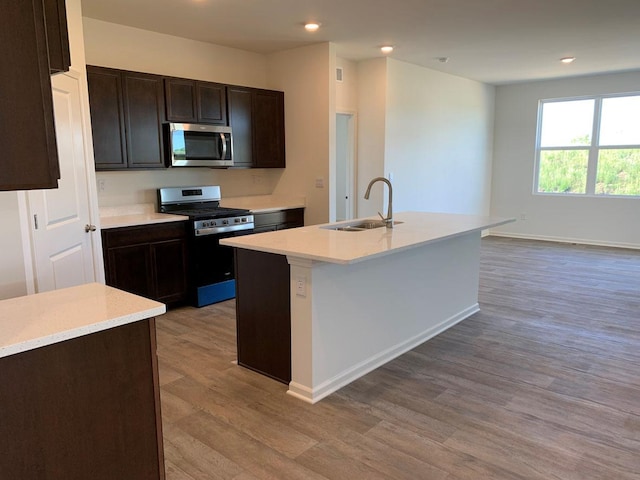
198	145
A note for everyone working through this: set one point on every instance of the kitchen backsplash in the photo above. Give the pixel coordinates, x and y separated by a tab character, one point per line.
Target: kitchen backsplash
132	187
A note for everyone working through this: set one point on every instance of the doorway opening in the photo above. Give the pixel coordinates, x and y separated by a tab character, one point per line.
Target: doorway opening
345	181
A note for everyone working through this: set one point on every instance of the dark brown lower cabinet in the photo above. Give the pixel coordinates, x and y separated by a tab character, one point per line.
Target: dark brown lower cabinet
263	313
148	260
83	408
278	220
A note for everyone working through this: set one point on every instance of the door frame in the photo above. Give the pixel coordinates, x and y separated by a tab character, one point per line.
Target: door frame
26	216
352	161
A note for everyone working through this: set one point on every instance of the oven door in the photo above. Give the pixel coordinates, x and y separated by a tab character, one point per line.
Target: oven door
212	267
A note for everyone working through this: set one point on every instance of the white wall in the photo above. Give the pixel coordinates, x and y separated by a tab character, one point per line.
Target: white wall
439	135
609	221
372	92
432	131
127	48
306	75
347	89
118	46
12	274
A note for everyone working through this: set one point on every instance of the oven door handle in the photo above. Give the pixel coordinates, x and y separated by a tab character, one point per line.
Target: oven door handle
201	232
223	141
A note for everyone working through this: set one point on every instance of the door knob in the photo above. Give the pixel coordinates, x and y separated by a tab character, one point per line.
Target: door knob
89	228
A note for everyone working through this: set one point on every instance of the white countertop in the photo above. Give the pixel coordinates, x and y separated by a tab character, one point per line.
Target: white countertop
264	203
133	215
140	219
42	319
332	246
145	214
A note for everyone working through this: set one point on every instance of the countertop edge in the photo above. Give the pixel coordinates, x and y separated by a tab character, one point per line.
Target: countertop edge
80	332
276	209
107	223
237	243
47	318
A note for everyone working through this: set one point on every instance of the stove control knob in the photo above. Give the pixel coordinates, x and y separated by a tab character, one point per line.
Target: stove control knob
225	222
236	220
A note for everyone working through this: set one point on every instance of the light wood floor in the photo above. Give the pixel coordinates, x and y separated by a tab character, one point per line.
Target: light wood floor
543	383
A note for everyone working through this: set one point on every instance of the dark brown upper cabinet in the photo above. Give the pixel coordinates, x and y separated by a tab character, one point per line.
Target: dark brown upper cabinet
127	112
55	13
30	156
268	129
192	101
256	117
241	123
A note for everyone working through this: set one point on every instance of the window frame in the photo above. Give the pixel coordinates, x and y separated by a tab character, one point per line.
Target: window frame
593	149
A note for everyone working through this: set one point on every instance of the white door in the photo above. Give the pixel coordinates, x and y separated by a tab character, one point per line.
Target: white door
345	166
62	249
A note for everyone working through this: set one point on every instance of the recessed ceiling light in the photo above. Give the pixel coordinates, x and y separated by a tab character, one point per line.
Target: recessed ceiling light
567	59
386	49
311	26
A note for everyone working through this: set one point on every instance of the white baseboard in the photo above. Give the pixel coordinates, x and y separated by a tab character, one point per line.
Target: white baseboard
577	241
333	384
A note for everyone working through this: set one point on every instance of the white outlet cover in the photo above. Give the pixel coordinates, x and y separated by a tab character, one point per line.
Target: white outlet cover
301	286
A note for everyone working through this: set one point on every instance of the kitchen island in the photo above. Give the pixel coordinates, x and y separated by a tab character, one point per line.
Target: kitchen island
352	300
80	392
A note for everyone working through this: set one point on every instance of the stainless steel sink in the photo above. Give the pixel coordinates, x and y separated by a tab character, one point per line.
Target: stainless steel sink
358	226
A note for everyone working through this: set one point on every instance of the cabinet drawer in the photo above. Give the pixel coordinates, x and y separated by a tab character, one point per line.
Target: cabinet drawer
126	236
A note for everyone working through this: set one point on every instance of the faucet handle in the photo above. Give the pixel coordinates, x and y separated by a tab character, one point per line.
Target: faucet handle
384	219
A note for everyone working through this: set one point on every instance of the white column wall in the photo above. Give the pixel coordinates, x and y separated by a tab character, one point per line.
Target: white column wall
372	99
438	140
306	76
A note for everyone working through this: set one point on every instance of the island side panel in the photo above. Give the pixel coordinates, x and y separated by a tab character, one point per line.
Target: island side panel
263	313
357	317
83	408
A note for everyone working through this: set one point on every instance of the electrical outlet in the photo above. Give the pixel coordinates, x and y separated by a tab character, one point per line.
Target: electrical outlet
319	182
101	185
523	216
301	286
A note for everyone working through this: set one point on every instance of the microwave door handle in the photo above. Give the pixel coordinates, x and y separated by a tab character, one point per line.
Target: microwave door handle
224	146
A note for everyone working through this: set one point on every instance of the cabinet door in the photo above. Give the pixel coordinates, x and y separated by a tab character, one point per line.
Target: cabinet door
240	121
143	114
107	118
57	36
268	129
212	103
30	157
170	270
149	260
180	97
129	268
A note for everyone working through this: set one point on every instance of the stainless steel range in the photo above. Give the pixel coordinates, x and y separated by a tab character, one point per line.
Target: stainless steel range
211	269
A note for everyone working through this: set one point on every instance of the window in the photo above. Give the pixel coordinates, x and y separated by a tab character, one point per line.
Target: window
589	146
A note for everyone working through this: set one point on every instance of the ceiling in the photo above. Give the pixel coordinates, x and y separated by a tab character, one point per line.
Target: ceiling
492	41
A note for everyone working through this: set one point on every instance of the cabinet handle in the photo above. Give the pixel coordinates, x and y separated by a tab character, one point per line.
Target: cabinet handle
89	228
